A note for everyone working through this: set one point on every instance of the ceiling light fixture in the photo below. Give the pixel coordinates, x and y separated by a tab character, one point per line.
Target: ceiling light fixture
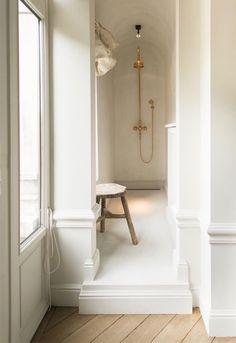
138	29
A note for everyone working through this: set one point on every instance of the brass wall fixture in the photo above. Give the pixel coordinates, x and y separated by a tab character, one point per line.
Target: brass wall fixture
138	64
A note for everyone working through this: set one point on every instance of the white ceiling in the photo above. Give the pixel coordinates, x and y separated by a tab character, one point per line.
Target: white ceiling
157	18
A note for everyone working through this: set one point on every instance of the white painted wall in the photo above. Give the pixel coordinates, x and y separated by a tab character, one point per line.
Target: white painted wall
171	85
105	128
188	137
73	112
219	124
128	165
205	154
223	105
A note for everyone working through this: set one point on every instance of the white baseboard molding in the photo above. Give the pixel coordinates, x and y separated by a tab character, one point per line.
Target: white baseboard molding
222	323
219	323
28	332
65	295
105	299
155	184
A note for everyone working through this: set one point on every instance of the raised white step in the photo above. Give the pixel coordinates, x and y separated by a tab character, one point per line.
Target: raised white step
135	299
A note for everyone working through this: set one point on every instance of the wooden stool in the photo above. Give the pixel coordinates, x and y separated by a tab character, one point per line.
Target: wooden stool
109	191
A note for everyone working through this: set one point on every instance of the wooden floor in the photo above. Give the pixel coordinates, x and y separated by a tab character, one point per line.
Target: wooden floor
64	324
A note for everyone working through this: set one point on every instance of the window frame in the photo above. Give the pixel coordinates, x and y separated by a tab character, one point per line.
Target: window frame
44	129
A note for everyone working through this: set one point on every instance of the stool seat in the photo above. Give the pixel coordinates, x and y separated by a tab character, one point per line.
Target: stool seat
113	190
110	190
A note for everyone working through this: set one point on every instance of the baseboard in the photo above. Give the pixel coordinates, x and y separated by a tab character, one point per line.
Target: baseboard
219	323
28	332
142	185
159	299
65	295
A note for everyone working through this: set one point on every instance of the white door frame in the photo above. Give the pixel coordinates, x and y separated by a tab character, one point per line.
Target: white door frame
33	251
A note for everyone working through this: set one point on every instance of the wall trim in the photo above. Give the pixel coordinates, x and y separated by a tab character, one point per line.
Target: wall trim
28	332
91	266
222	233
65	294
170	126
83	218
140	184
171	218
220	323
187	219
135	299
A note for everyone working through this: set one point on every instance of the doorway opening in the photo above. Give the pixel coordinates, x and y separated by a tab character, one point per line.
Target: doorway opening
123	104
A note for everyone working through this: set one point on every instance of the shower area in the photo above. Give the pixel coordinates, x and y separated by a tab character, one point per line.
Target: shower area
132	146
135	106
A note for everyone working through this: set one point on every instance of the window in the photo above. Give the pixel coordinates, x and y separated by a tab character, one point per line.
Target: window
29	120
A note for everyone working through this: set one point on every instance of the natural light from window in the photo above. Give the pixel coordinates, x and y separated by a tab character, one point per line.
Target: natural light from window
29	121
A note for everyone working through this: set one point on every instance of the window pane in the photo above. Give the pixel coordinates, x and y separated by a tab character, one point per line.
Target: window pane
29	121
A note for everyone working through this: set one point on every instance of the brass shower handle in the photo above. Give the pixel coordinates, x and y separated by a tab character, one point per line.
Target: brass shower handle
140	128
151	102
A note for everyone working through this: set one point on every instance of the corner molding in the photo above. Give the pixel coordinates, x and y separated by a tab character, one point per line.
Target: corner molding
222	233
65	294
187	219
91	266
84	218
181	268
170	126
220	323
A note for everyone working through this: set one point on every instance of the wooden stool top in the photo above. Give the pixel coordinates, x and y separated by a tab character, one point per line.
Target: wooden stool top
110	190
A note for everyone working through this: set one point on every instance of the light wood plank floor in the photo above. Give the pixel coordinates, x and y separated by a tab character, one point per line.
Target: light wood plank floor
64	324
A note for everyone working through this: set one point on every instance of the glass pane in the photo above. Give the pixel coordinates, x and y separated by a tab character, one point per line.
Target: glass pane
29	121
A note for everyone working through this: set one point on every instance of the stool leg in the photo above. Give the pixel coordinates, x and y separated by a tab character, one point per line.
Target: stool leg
129	221
102	227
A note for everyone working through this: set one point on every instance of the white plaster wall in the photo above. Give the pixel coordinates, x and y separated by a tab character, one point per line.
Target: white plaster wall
73	139
105	128
128	165
205	108
171	86
223	157
223	103
71	103
188	121
188	138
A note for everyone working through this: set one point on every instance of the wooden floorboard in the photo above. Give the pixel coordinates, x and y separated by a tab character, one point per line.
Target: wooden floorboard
60	314
65	324
92	329
198	334
149	329
65	328
178	328
121	329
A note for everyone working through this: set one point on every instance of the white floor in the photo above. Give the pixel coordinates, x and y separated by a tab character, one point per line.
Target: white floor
150	262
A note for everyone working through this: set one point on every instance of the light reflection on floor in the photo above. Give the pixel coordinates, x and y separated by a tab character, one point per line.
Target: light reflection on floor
151	260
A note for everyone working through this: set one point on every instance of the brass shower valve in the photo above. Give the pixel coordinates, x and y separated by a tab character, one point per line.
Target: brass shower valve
140	128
